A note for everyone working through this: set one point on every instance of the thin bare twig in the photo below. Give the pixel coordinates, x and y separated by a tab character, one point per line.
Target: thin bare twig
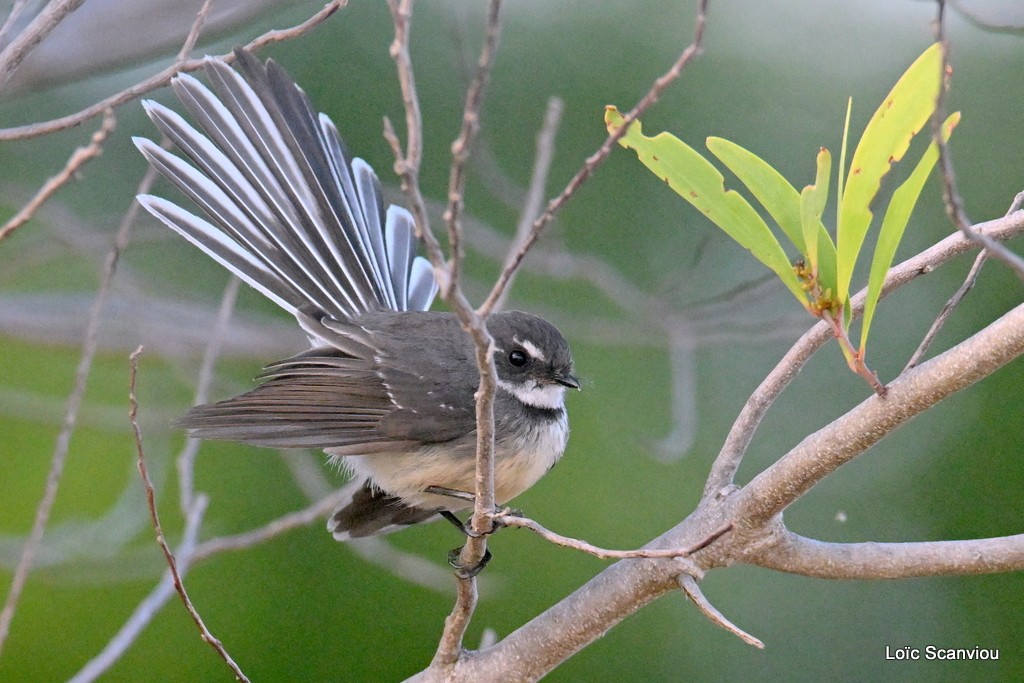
954	301
48	18
598	157
518	521
95	148
292	520
197	28
543	156
692	590
475	549
449	646
463	144
982	23
950	194
162	78
78	158
148	608
186	460
947	310
190	552
407	165
200	503
1016	204
90	343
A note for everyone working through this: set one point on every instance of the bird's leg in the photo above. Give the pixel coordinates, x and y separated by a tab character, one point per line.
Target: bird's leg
454	554
462	571
460	525
451	493
465	495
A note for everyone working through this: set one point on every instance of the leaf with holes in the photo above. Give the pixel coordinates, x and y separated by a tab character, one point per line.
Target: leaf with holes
897	215
902	114
694	179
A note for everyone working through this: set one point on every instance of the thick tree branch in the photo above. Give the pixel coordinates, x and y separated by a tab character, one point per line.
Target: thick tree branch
910	394
626	586
791	553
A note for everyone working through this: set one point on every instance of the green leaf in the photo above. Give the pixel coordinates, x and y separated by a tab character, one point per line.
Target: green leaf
897	215
780	199
905	110
812	206
775	193
841	176
698	182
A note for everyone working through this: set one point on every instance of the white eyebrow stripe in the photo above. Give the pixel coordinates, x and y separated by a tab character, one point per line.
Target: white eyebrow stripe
531	349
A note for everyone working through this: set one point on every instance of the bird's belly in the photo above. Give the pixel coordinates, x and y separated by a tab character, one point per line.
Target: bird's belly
519	463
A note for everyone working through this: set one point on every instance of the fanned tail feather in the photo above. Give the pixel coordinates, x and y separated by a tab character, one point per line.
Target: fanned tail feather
287	210
368	511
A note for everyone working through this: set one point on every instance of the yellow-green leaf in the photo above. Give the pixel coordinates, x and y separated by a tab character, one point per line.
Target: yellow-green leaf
812	206
905	110
694	178
897	215
776	194
780	199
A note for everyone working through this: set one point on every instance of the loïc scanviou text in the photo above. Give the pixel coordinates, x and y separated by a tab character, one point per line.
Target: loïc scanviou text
933	652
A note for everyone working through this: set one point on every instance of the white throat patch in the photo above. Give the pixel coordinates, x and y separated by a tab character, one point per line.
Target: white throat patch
549	396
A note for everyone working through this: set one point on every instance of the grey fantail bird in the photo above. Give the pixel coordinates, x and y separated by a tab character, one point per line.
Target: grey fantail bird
387	388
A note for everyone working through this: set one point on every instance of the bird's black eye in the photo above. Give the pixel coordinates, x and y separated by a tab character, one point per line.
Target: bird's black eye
517	358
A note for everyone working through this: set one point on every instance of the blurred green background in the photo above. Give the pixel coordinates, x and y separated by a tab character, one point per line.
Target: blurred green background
632	276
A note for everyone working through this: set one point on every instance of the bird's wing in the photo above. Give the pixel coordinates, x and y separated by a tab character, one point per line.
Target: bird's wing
287	210
318	399
367	392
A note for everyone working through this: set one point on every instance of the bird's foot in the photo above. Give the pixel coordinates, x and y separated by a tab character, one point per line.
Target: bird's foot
461	570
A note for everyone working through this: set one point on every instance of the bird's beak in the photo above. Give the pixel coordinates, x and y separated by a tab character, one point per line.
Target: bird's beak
568	380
